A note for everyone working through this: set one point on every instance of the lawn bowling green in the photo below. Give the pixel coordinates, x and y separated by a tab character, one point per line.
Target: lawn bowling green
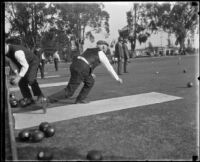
153	117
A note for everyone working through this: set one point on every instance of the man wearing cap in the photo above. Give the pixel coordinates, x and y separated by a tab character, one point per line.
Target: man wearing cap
119	53
81	71
25	65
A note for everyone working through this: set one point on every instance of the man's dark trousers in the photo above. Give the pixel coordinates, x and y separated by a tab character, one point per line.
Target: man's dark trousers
125	65
30	78
80	72
41	67
119	67
56	64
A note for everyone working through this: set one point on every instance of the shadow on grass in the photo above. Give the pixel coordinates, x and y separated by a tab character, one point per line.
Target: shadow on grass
183	87
30	153
28	109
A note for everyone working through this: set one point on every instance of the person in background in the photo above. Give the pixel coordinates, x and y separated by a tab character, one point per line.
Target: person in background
42	59
74	47
82	71
107	51
119	53
42	64
112	51
56	59
25	65
126	55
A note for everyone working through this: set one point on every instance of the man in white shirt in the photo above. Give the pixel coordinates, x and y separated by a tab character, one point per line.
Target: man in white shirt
25	65
56	59
81	71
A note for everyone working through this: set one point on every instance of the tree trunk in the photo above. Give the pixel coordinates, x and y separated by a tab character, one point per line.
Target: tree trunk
182	46
133	43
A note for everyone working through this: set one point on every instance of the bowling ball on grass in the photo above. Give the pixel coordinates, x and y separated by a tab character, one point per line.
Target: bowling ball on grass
24	135
36	136
12	81
43	126
44	155
12	96
49	131
13	103
189	84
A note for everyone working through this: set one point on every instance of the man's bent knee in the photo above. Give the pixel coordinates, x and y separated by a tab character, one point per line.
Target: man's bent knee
32	82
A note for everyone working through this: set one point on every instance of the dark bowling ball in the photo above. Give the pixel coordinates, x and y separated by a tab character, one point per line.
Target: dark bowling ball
24	135
49	131
13	103
22	103
94	155
43	126
189	84
44	155
12	96
37	136
12	81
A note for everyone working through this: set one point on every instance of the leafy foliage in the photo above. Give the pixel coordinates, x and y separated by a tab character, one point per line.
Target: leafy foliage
55	23
179	18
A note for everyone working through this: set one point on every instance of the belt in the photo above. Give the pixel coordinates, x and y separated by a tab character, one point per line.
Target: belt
82	58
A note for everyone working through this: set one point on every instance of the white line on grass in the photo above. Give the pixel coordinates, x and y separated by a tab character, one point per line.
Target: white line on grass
43	85
34	118
52	76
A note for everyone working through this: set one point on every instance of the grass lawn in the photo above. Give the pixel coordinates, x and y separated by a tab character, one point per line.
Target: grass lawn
153	132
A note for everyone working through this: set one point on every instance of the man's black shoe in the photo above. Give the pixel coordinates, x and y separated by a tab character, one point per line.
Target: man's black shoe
26	101
43	102
81	102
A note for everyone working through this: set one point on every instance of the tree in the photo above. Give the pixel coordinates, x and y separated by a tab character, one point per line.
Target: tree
29	20
137	24
75	17
182	20
178	18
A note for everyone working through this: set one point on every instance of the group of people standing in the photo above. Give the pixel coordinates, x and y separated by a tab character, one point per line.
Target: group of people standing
122	55
42	59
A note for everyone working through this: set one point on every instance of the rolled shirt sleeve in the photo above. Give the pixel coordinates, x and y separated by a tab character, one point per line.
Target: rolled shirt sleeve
20	56
104	60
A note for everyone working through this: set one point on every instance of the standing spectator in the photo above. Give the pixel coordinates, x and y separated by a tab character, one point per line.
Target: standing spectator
112	51
42	64
56	59
119	53
74	47
107	51
42	60
126	55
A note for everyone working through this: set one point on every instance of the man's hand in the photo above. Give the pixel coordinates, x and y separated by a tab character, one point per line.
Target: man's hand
120	80
16	80
93	75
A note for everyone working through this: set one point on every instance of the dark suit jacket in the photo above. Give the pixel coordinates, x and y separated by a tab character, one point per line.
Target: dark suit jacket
119	53
126	52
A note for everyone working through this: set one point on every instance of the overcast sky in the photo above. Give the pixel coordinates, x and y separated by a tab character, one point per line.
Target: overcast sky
117	20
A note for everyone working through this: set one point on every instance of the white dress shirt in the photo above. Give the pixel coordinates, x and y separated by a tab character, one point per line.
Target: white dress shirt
104	60
56	56
20	57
